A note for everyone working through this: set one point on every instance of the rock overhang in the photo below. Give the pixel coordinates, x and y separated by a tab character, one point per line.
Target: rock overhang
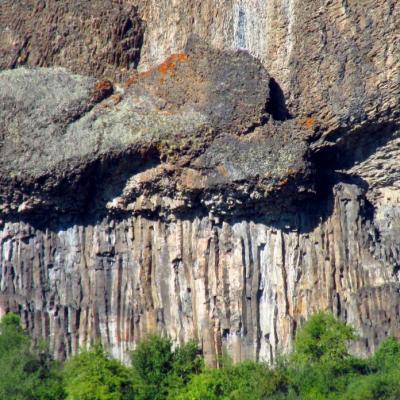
200	118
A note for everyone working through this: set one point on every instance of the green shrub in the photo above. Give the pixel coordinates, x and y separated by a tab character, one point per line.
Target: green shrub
323	338
320	368
387	357
244	381
158	371
25	374
92	375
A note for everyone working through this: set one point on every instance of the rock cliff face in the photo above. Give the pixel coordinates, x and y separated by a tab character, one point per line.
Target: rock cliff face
221	186
100	37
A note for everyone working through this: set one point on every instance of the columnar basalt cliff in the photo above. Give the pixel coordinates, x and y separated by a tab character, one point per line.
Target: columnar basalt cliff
220	186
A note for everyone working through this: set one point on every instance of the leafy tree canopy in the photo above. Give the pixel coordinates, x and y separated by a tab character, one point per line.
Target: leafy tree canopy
320	368
92	375
323	338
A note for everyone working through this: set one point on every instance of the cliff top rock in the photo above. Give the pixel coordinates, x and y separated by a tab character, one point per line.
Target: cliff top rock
203	127
200	117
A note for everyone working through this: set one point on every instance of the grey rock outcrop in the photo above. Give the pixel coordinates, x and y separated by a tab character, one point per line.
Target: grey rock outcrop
194	198
189	112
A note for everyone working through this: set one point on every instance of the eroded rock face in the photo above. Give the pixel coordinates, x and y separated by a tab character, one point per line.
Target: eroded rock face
100	38
188	134
242	285
193	198
335	61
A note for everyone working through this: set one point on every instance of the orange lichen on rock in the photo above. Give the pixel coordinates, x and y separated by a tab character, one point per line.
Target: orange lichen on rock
308	122
170	63
145	74
130	81
283	182
103	89
104	85
136	77
168	66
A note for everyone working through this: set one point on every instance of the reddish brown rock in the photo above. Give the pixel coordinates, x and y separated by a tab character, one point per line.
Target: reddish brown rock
97	37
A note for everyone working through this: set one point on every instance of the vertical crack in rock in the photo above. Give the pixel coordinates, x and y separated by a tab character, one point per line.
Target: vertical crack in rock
240	28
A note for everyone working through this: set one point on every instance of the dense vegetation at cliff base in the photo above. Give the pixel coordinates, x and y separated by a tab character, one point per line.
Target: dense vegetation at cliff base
319	368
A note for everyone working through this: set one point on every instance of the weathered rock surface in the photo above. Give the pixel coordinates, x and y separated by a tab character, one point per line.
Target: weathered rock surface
336	61
194	199
98	37
178	125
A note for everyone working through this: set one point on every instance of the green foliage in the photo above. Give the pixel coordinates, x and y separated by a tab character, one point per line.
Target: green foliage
320	368
323	339
16	381
186	363
159	372
50	376
383	380
388	355
377	386
25	374
12	336
152	363
92	375
244	381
